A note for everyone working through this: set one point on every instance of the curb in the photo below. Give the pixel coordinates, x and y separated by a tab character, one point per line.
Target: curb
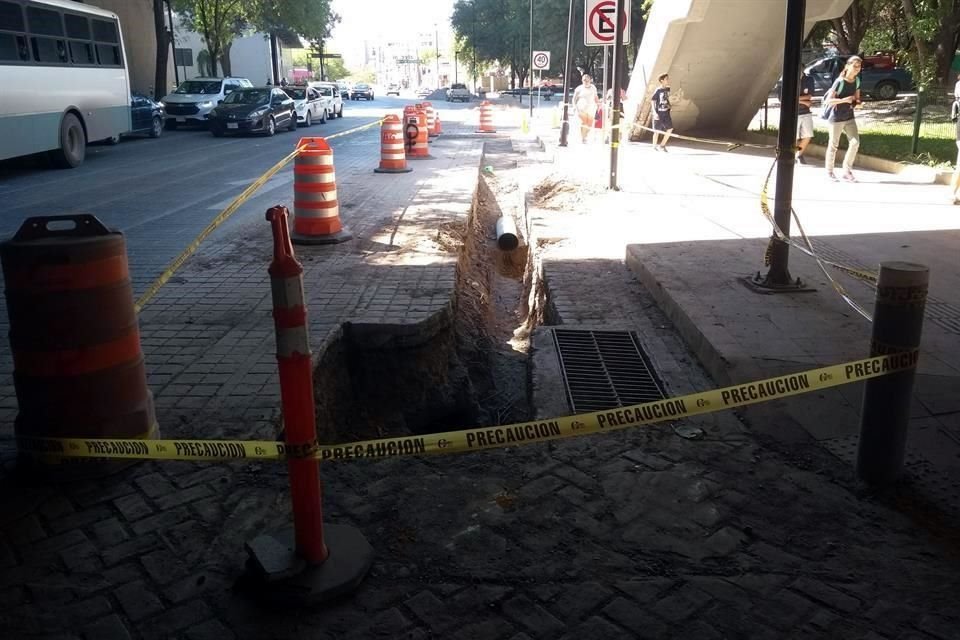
931	175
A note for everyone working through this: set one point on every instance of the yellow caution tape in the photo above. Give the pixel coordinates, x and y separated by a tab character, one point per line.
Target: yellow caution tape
484	437
222	217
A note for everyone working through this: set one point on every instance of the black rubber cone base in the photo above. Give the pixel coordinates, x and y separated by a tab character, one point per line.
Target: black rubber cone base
759	284
276	575
405	170
332	238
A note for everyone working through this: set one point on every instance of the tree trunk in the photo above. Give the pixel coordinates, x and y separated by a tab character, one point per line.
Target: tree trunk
163	51
225	60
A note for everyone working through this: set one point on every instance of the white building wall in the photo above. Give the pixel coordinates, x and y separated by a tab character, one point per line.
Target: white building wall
249	56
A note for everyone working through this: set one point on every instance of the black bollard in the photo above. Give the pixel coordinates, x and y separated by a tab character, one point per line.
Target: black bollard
885	416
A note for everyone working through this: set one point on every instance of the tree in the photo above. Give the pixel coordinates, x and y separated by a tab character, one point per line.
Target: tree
335	69
851	27
312	19
163	50
935	26
217	21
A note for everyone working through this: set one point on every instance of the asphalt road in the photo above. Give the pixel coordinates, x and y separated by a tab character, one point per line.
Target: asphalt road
162	192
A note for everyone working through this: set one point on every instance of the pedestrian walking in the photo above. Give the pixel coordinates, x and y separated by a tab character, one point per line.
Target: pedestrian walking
955	115
839	103
585	102
662	122
804	115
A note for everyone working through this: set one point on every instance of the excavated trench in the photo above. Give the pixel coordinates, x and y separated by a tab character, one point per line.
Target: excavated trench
471	367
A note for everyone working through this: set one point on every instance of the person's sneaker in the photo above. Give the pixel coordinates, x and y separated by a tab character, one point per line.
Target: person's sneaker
800	160
832	175
849	177
664	149
656	147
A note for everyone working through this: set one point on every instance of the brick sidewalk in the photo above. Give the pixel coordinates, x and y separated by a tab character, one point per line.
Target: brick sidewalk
627	535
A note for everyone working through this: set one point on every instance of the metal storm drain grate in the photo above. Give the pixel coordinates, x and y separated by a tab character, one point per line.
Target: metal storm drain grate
605	369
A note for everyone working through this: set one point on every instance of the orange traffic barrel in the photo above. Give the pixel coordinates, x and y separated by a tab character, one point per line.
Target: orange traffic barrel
393	159
486	118
316	209
415	132
78	368
433	127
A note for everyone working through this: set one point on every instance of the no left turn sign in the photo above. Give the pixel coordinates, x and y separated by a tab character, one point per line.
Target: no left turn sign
599	29
541	60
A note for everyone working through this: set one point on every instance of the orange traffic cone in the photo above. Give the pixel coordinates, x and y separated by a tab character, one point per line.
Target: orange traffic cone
392	157
415	131
317	212
432	127
486	118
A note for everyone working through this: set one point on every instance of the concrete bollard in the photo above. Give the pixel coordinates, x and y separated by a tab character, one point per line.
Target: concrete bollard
885	415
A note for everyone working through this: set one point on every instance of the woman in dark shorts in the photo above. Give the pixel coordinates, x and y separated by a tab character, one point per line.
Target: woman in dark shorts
955	181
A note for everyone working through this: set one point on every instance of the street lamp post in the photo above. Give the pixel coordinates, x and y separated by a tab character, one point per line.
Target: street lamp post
456	56
436	44
530	83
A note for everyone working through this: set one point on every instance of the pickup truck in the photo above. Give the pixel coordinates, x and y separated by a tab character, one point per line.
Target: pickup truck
458	92
877	81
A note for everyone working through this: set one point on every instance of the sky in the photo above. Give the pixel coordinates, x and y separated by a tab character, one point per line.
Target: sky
381	20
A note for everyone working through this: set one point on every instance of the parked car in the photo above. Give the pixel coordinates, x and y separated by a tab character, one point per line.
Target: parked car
424	92
458	92
344	88
310	105
146	118
194	99
393	90
877	79
361	90
332	91
255	110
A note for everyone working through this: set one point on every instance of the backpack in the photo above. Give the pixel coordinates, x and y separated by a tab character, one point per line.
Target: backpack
827	110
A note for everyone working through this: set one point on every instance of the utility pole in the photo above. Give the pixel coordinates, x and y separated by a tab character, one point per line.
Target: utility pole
619	59
778	277
173	44
456	56
436	44
567	63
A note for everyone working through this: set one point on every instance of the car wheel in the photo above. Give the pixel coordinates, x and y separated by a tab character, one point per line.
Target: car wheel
340	112
293	121
171	125
156	128
73	143
886	90
271	126
113	140
323	116
216	131
308	120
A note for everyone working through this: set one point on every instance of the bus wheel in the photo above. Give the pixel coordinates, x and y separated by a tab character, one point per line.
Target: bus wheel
73	144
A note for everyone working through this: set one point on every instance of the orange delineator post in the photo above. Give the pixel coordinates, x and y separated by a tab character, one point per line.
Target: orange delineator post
317	219
486	118
393	159
296	566
296	390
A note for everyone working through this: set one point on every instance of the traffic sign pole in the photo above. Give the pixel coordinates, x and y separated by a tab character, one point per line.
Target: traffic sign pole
565	125
618	61
530	87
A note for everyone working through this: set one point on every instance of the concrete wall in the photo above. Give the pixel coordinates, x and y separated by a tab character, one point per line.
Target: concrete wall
249	56
136	20
723	57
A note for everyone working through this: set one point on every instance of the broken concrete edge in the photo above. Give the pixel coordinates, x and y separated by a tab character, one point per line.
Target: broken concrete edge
768	419
929	174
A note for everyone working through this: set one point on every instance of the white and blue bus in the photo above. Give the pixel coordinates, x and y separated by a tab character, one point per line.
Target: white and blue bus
63	79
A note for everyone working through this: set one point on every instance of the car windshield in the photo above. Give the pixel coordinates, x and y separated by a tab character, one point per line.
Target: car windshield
248	96
458	86
199	86
325	91
297	94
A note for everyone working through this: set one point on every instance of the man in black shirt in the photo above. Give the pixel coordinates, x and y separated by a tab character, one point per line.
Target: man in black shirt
662	122
804	116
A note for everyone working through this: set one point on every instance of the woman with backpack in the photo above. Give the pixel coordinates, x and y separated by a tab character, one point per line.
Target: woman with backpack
955	116
838	104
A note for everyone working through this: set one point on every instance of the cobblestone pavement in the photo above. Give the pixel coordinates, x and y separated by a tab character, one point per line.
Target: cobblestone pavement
633	534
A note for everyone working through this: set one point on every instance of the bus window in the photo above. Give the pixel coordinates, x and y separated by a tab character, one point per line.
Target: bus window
11	17
109	55
13	48
44	22
81	53
104	31
49	50
77	27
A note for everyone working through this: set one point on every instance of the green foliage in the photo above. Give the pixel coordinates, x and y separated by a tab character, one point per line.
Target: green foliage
312	19
217	21
335	69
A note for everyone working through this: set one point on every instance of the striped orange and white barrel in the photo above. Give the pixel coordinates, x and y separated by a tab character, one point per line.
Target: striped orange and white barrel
433	126
393	158
415	121
316	208
486	118
78	368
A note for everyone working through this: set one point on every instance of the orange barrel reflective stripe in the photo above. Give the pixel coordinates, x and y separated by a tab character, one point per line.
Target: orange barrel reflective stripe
433	128
316	208
415	133
393	158
78	366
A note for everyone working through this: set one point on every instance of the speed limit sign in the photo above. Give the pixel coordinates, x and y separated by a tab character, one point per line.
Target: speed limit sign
541	60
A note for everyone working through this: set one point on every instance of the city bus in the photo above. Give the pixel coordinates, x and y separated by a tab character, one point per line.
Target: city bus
63	79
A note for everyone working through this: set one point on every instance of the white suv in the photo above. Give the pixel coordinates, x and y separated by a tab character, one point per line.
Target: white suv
330	91
194	99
